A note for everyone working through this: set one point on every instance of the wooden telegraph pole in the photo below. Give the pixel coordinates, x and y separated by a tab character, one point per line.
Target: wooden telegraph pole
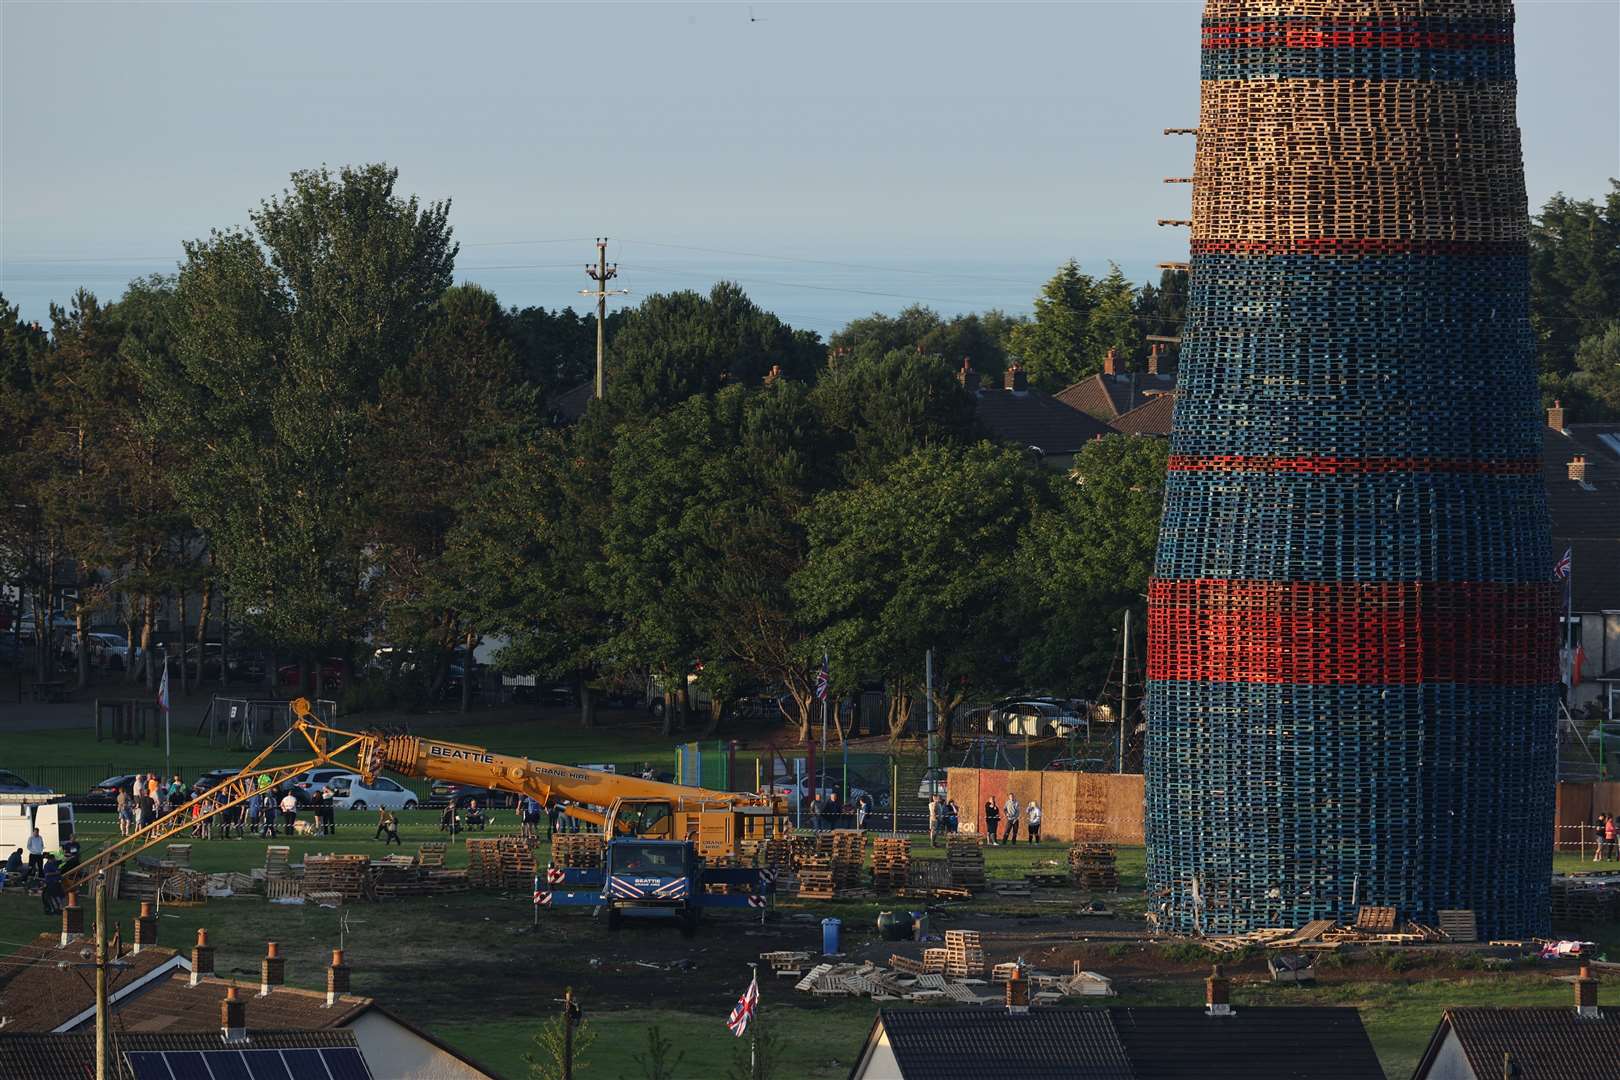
101	975
602	273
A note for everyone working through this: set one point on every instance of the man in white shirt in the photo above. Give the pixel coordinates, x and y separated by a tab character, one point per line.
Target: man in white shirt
289	811
1033	817
36	855
1009	817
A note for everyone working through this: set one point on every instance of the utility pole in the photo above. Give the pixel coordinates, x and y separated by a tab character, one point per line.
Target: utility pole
571	1018
602	273
1124	684
101	975
928	684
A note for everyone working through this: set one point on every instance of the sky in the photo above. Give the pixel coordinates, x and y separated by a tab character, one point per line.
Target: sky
946	153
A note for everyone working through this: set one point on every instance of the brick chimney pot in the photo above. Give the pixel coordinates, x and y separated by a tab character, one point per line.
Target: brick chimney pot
1555	416
1577	468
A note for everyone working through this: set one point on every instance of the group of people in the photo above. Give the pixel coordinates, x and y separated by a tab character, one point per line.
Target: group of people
1608	837
1006	818
44	865
832	813
943	817
146	799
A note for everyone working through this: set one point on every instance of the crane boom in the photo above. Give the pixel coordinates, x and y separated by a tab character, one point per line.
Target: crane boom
633	805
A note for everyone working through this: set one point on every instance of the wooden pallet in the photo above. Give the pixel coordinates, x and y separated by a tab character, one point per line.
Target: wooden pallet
1376	920
1459	925
964	857
179	855
275	860
1092	866
347	875
577	851
891	862
431	855
964	955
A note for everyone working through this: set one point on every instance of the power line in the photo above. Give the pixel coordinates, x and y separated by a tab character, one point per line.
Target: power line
802	285
829	262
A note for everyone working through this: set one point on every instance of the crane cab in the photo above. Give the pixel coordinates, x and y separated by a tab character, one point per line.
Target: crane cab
712	830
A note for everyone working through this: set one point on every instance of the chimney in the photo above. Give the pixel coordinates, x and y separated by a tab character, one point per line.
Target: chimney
1017	993
1555	416
1586	994
145	928
72	920
1111	362
233	1017
968	377
1577	468
1218	993
337	978
202	958
1014	379
1153	358
272	969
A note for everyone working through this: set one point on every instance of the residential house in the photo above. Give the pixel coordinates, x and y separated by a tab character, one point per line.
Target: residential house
1122	1043
1532	1043
1581	466
163	1055
1040	423
1113	392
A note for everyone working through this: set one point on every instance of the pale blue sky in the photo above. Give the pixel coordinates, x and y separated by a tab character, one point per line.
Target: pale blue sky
1000	137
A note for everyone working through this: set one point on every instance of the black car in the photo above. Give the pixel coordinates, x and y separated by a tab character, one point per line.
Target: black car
211	779
442	791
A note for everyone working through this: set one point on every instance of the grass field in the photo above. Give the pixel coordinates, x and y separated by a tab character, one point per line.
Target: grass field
478	970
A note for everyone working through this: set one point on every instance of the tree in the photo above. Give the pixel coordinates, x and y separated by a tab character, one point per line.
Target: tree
661	1061
552	1055
557	348
1114	324
1162	310
1059	347
1597	369
679	344
885	406
918	558
1574	275
1086	557
978	337
285	334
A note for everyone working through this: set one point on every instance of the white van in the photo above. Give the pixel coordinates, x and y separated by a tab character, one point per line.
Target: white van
52	815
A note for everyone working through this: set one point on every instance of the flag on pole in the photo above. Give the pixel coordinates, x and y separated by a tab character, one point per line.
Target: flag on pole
163	690
823	678
1562	566
747	1005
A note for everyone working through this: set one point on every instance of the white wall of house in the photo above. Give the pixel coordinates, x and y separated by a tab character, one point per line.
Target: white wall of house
397	1052
877	1061
1450	1063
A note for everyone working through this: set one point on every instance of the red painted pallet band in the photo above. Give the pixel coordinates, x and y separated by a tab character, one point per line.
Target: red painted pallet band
1357	245
1347	466
1304	37
1341	632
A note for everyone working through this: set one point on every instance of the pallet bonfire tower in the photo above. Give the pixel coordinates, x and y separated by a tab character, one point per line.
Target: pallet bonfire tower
1352	679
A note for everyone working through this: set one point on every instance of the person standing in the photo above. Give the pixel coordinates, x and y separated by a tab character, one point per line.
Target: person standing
387	828
953	817
1611	837
177	791
51	894
531	818
1009	819
154	791
933	821
992	818
1032	817
553	812
289	811
255	808
126	816
36	855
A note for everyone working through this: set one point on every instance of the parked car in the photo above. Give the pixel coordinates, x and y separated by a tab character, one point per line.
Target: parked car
210	780
351	792
1034	718
12	784
334	673
442	791
306	784
932	783
107	649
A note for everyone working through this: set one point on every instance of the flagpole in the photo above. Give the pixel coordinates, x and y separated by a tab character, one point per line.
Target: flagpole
753	1039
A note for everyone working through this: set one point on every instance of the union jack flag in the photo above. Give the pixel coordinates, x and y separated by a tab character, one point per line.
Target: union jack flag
1562	566
747	1006
823	677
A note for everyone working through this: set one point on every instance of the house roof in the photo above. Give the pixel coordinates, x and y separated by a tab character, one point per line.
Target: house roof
1546	1043
42	986
1107	397
1586	517
1031	418
41	1056
175	1005
1043	1044
1150	418
1254	1043
1258	1043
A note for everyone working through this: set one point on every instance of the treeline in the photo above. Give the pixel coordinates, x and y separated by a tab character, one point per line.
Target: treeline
312	422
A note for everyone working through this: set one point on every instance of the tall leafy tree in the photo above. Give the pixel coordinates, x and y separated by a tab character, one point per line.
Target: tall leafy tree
980	338
1086	557
1114	323
679	344
918	558
1574	274
1060	345
1597	370
286	331
884	406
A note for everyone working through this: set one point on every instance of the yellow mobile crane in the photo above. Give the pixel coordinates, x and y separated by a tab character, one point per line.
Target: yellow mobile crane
716	823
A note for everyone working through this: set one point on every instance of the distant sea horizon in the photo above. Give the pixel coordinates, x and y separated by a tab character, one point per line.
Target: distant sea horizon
819	295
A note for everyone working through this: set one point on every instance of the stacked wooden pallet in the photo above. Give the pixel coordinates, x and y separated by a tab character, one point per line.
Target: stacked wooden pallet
891	862
777	856
430	856
578	851
179	855
500	862
964	955
275	860
1091	866
964	856
346	875
392	883
817	878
